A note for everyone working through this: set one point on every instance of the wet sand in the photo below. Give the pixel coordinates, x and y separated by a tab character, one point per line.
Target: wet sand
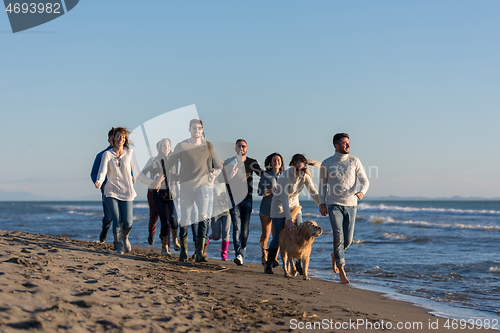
54	284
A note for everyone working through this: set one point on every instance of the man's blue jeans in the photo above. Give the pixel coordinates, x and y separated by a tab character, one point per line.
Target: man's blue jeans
278	225
342	219
189	197
240	216
121	213
106	219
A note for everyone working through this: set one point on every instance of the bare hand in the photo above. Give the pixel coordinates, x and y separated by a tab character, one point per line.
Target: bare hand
156	184
360	195
211	177
97	185
235	171
289	225
322	210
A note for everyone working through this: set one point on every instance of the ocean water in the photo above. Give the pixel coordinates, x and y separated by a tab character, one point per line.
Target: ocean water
442	255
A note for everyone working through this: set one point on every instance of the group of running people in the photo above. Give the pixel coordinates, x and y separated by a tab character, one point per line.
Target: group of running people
213	194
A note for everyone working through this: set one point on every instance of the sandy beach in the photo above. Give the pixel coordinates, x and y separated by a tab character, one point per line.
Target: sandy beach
54	284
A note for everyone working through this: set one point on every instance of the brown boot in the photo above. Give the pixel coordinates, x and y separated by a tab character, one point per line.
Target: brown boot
164	247
263	258
177	246
205	248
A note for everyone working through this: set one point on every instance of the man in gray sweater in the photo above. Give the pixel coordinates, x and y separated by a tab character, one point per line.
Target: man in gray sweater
337	189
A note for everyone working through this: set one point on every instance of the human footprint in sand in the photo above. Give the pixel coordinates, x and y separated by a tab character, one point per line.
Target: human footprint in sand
337	188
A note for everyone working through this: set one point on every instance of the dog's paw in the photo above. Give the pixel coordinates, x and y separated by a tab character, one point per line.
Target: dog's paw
288	275
294	273
307	278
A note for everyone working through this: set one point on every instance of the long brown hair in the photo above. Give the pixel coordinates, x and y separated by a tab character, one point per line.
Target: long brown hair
125	132
269	159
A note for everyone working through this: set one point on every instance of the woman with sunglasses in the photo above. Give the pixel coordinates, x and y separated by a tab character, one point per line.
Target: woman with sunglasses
118	164
267	185
285	199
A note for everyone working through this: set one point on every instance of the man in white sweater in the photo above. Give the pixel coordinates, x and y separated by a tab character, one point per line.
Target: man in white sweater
337	185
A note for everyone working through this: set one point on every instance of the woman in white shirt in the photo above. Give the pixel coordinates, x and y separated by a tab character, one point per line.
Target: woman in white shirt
286	197
118	165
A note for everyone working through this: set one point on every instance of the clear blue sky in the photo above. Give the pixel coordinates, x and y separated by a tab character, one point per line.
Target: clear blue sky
413	83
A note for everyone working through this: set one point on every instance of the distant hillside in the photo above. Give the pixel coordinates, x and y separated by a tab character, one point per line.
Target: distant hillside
22	196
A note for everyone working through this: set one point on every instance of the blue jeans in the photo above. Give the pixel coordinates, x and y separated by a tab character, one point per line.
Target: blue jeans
121	213
278	225
106	219
168	214
342	219
240	216
210	209
190	197
220	227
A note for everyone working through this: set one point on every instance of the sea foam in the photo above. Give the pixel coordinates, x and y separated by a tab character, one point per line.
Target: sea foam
382	207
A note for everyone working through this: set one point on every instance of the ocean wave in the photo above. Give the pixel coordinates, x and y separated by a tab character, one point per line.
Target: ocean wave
494	269
380	220
141	205
76	208
311	215
424	224
83	213
382	207
392	236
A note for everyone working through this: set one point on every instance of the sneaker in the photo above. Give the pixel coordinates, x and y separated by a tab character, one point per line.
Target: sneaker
238	260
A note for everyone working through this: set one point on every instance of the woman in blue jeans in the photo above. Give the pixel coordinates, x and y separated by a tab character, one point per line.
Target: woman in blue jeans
267	185
117	165
285	199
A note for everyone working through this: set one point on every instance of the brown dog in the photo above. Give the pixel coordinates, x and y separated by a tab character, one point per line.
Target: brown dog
296	244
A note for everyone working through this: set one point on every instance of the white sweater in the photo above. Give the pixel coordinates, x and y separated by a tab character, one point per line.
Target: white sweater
120	185
286	197
337	180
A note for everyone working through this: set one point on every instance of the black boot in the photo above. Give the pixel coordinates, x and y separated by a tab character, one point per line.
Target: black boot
103	235
271	254
200	244
183	255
